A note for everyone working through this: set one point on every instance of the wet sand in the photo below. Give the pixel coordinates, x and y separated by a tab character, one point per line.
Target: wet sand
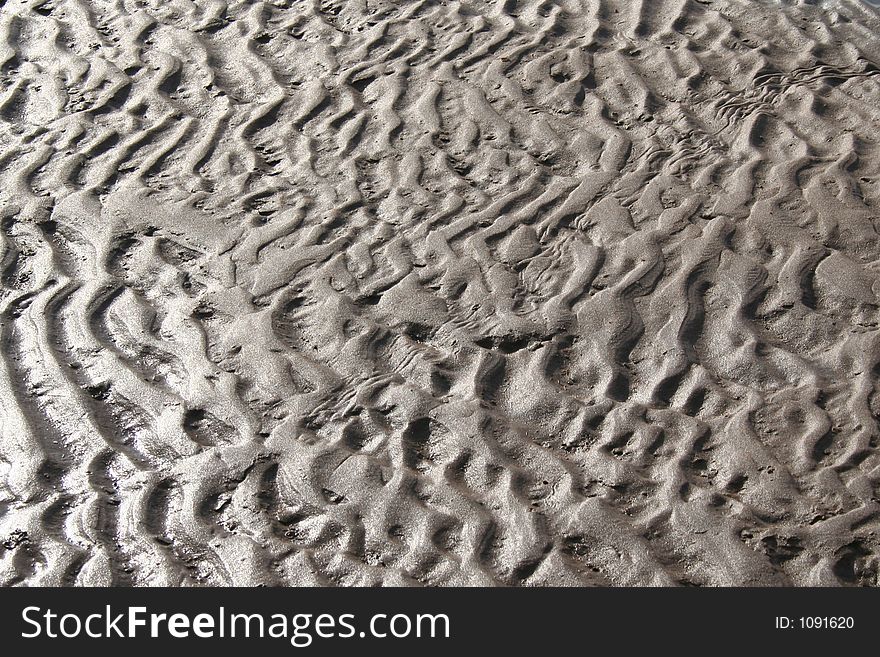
442	293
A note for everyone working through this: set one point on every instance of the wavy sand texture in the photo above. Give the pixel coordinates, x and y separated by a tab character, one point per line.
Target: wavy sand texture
513	291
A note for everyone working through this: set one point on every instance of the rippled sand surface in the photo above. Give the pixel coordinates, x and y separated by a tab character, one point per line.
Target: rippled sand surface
435	292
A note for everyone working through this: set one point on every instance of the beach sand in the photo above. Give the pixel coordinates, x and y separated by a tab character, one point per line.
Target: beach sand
510	292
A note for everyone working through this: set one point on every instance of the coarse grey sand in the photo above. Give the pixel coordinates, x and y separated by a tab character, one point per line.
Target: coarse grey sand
360	292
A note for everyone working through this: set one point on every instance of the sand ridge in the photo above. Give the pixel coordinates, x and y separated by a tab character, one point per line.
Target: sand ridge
485	292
